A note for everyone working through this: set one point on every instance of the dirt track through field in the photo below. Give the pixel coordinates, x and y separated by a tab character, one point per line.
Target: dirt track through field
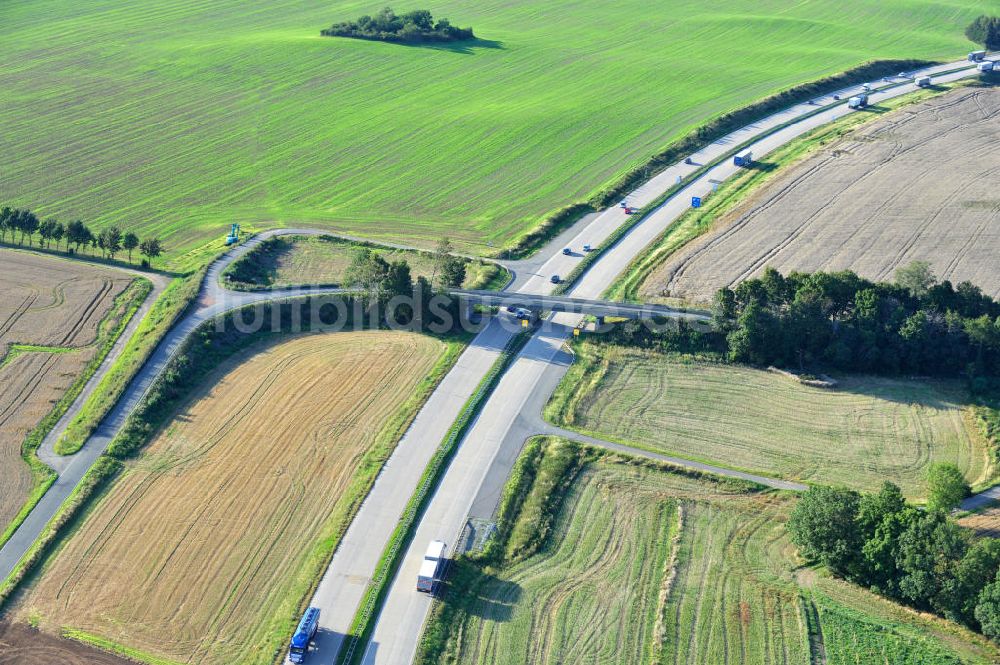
918	185
50	303
193	553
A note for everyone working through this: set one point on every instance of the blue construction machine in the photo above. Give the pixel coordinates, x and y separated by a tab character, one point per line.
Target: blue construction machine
234	235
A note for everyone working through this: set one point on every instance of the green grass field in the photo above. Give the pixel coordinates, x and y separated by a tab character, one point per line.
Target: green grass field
298	260
182	116
643	565
867	430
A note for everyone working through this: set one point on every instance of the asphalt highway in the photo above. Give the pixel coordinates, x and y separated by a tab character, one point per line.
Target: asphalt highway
486	455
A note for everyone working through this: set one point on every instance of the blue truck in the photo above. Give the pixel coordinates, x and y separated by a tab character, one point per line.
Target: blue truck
304	634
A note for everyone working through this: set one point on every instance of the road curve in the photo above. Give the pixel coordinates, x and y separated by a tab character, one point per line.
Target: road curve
399	625
212	300
486	455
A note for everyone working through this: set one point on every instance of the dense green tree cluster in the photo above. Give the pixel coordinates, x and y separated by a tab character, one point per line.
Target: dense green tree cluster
414	27
985	30
24	224
839	320
382	280
922	558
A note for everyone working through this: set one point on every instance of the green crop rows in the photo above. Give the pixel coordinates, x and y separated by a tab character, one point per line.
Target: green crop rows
646	565
180	117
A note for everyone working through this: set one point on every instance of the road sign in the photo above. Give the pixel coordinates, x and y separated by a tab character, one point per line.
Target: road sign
695	201
576	332
524	323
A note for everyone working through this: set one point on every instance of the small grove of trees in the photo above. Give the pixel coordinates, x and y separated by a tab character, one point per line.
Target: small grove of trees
921	558
381	280
985	30
414	27
841	321
449	270
23	225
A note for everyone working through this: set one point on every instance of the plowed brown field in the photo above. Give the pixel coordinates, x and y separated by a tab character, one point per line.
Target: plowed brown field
210	537
44	302
20	645
917	185
984	523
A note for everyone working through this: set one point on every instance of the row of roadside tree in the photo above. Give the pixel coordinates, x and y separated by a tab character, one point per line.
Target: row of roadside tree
110	241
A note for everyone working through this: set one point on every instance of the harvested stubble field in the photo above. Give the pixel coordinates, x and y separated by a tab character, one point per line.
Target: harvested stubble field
202	550
51	311
191	114
912	186
867	430
297	260
644	565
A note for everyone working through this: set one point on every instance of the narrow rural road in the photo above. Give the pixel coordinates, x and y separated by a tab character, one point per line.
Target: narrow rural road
212	300
487	453
483	455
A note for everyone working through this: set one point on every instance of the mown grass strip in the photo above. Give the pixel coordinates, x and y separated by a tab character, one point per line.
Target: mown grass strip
584	265
385	570
115	648
696	221
172	304
125	306
704	135
61	525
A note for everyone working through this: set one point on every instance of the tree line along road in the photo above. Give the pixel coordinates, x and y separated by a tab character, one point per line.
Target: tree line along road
486	451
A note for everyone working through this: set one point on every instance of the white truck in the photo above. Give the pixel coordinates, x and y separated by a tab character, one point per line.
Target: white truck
858	101
977	56
431	567
985	67
923	82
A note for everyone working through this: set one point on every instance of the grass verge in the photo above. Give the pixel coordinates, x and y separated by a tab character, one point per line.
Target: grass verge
203	351
168	309
364	621
584	264
698	221
711	131
61	525
110	328
115	648
292	261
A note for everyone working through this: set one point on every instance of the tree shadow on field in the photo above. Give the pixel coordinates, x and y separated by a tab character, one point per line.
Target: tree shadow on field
764	167
939	394
478	593
467	47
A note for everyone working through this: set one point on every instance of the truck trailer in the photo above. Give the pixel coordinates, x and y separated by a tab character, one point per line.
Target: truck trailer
304	634
431	566
977	56
743	160
857	102
923	82
985	67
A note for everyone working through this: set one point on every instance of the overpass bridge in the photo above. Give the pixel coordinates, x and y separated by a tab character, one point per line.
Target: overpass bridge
598	308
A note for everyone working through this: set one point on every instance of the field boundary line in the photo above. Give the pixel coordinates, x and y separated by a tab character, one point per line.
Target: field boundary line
138	291
648	210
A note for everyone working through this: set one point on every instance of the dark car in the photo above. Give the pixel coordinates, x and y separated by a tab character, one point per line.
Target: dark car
555	279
